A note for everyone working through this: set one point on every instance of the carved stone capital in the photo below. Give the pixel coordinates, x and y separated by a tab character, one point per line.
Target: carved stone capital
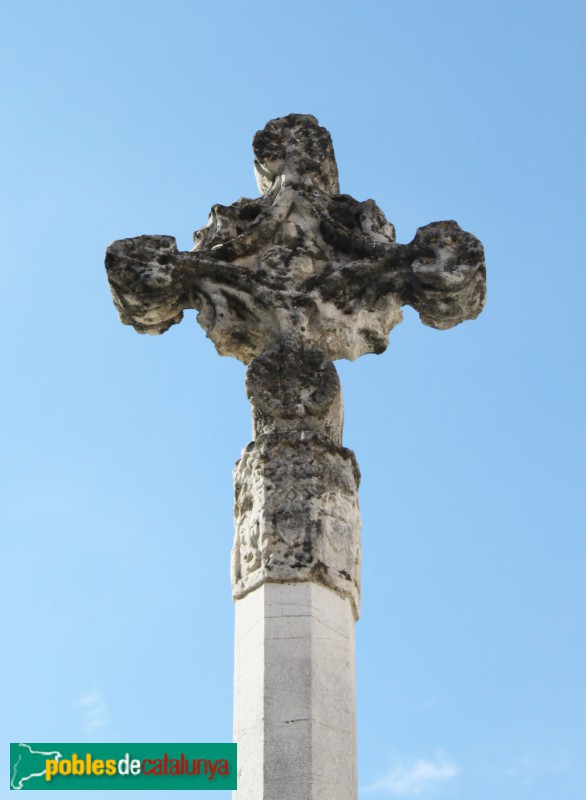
296	515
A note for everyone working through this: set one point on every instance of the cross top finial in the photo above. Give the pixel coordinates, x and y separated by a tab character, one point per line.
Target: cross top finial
295	151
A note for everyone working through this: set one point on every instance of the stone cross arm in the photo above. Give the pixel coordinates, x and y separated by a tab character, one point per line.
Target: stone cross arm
300	262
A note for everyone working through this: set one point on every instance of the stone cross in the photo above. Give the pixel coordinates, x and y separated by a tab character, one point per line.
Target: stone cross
287	283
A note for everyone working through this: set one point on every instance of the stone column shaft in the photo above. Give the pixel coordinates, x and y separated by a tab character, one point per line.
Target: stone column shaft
295	694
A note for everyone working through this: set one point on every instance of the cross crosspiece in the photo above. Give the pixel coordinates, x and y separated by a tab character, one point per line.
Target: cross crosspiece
301	260
287	283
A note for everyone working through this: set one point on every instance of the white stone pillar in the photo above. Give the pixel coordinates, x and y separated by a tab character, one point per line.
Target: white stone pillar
295	694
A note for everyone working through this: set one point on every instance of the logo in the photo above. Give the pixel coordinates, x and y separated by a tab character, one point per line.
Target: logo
122	766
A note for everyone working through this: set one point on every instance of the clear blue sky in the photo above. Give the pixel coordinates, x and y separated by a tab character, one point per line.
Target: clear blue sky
122	117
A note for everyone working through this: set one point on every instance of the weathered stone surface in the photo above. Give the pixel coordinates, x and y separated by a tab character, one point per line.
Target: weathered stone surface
295	389
300	261
295	151
286	283
296	515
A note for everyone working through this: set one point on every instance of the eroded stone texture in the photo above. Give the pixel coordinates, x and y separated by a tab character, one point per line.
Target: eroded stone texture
302	261
294	388
295	151
287	283
296	515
